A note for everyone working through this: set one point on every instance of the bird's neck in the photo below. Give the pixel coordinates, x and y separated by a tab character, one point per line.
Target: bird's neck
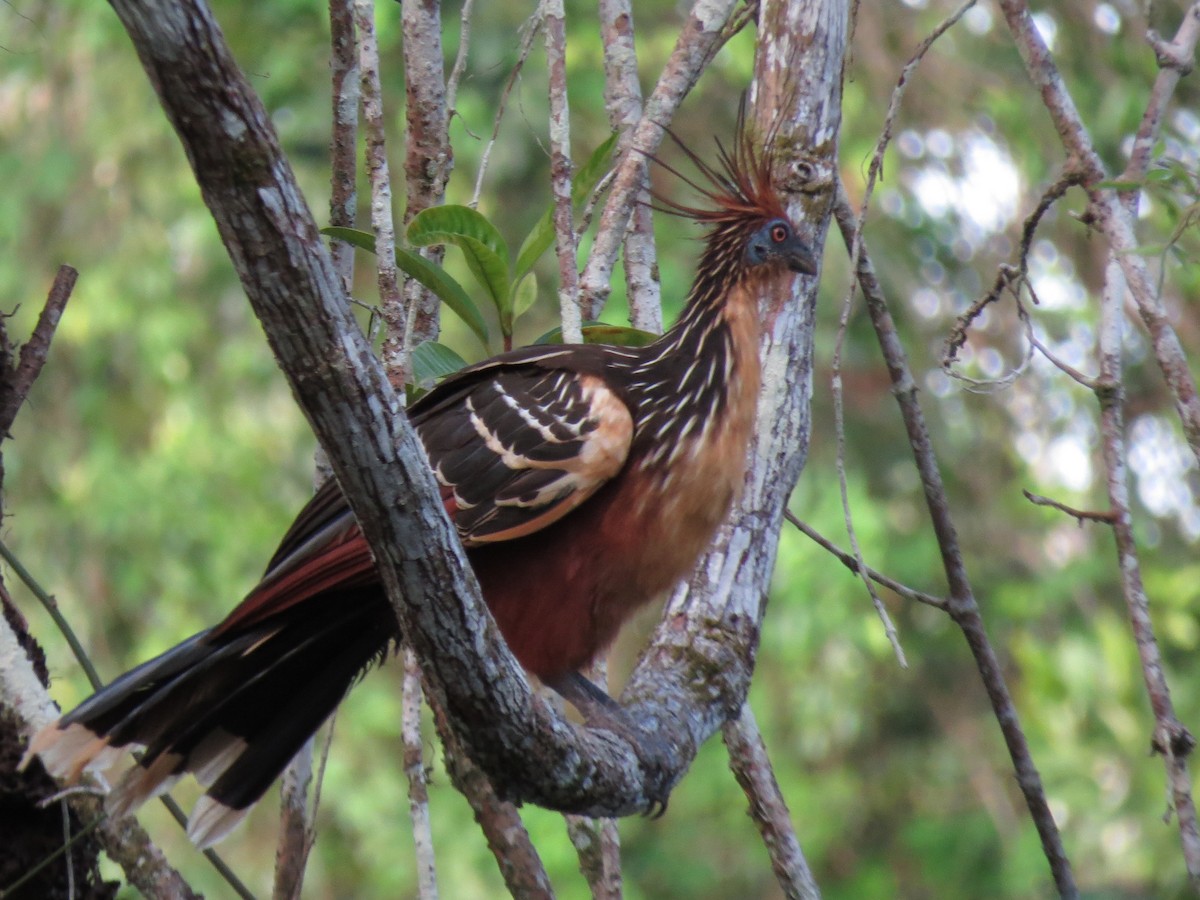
698	374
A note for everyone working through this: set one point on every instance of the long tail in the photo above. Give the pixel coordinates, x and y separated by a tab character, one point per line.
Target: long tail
231	708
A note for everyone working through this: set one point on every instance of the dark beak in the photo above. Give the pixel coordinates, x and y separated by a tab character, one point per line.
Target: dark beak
799	257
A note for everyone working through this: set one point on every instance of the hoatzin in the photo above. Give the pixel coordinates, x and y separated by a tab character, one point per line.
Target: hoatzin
584	481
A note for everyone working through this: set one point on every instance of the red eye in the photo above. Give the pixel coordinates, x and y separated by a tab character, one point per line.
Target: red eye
779	233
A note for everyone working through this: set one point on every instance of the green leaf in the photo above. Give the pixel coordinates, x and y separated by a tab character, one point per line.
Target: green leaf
431	362
541	238
601	333
525	295
446	288
537	242
481	244
364	240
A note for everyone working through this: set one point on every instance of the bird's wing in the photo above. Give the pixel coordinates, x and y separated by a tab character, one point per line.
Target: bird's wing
515	445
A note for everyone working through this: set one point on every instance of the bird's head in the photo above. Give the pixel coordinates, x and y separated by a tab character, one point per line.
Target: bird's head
749	227
776	242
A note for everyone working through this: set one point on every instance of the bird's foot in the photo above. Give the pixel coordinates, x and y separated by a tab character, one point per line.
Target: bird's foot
602	712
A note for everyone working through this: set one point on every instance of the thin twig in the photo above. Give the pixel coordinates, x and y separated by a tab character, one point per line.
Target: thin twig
64	849
33	353
848	560
1009	275
529	32
1062	365
1082	515
855	246
961	603
988	385
752	768
460	58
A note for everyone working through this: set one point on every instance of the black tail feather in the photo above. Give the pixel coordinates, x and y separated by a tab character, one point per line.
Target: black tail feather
232	709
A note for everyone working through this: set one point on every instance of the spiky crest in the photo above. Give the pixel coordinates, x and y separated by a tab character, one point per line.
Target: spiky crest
739	187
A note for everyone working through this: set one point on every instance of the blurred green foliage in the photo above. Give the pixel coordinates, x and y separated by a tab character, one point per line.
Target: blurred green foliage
161	455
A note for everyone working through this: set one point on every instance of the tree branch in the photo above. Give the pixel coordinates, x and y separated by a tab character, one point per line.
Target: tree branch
23	696
623	99
701	37
1114	215
395	306
1171	739
566	245
428	157
850	562
752	769
961	604
33	353
1110	215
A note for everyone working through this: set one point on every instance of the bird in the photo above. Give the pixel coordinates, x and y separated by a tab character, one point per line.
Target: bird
584	481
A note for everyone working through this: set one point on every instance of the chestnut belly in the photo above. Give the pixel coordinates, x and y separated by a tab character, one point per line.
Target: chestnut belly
561	595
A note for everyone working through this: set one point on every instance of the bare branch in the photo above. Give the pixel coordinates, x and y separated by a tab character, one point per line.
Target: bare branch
1171	738
418	779
1114	216
1110	215
1009	277
701	37
292	845
428	157
343	144
23	696
460	58
530	31
395	310
623	99
566	246
855	247
961	604
1175	59
15	386
752	768
597	843
1081	514
518	860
